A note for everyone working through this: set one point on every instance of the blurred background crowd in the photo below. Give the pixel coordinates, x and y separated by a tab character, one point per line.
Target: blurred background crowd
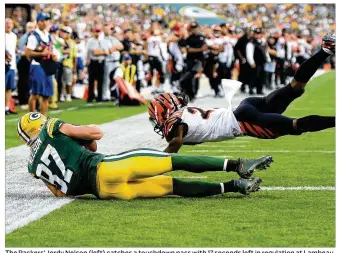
86	47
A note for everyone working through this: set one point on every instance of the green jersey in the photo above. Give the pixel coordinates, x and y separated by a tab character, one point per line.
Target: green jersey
63	162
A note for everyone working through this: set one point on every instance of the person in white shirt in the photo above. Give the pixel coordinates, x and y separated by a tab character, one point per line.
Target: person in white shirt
81	57
40	49
215	43
155	54
304	48
176	58
257	56
226	57
10	46
23	67
111	60
96	53
281	54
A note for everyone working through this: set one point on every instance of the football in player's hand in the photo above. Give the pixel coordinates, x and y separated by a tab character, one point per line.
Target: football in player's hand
92	146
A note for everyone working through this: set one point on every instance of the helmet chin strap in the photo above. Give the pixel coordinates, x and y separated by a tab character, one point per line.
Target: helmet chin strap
32	140
156	128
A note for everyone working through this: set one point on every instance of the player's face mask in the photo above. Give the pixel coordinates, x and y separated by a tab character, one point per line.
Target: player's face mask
156	127
217	33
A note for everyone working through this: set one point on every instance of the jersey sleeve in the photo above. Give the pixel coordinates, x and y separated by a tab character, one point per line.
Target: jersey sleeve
172	123
53	126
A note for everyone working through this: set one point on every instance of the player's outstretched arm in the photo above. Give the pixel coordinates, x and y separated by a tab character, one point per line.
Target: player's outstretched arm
89	132
175	141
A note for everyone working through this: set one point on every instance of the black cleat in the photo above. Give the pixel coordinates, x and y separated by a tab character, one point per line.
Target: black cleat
8	112
329	43
246	186
247	167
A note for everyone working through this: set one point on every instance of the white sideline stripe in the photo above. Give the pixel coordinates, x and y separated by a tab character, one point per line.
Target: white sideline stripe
230	142
11	120
298	188
261	151
192	177
37	215
56	111
68	109
224	145
72	108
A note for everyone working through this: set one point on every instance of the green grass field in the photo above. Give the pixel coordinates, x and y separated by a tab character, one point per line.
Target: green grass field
264	219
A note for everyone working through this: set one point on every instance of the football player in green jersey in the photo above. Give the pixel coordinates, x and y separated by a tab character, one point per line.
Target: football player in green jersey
64	157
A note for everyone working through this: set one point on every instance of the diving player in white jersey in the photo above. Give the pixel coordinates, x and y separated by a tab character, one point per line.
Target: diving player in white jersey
160	108
259	117
204	125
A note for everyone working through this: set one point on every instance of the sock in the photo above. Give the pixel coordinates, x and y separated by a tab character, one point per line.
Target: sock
198	164
196	189
232	165
229	187
310	66
314	123
6	108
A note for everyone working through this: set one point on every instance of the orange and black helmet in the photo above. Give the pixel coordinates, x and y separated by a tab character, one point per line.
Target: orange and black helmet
162	106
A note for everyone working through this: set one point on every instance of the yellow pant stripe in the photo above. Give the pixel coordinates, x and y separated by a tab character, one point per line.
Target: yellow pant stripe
136	152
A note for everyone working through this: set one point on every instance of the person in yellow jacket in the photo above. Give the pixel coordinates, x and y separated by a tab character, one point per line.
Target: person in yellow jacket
129	69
